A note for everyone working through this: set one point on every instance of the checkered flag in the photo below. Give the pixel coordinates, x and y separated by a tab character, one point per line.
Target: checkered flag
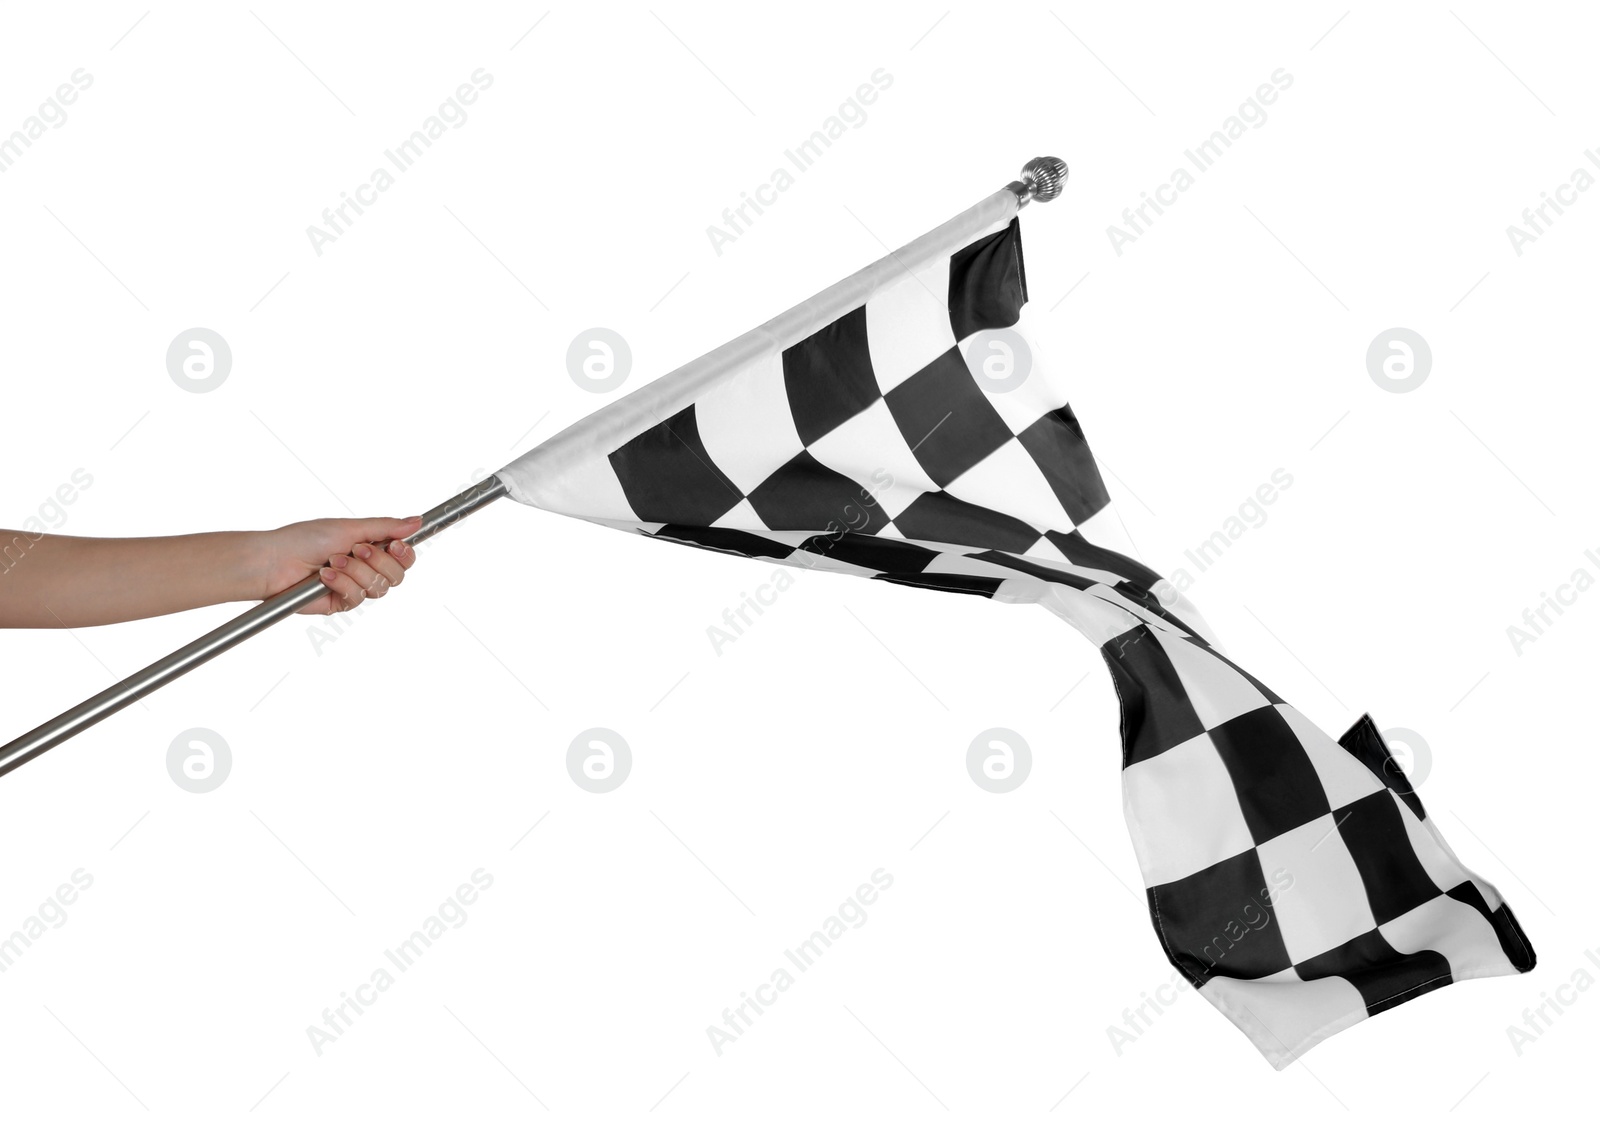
899	427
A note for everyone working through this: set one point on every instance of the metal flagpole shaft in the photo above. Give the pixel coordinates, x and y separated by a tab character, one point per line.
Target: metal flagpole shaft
230	634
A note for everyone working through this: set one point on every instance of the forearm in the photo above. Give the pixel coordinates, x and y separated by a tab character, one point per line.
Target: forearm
60	581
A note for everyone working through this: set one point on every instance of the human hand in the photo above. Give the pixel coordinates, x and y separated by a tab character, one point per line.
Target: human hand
357	558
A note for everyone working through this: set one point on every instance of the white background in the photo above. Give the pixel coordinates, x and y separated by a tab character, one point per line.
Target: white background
373	774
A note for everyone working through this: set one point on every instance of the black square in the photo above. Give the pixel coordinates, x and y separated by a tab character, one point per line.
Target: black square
1384	976
726	541
1156	714
1363	741
1375	835
945	582
1056	443
945	418
668	476
886	555
1220	922
1081	551
805	495
987	284
938	516
1277	785
1034	569
1506	928
828	376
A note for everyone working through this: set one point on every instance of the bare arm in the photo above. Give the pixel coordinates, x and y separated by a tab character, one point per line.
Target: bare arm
53	580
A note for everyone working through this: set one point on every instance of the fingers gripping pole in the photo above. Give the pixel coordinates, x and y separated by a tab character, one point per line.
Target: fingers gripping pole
230	634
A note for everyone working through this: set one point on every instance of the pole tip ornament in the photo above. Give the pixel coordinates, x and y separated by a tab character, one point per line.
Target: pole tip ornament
1043	177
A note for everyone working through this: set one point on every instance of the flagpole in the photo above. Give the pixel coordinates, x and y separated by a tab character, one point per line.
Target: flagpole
1042	178
213	643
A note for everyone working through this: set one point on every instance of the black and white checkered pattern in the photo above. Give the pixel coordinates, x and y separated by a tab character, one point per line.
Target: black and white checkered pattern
876	425
1294	880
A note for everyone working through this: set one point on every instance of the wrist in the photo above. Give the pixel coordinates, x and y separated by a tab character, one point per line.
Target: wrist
251	560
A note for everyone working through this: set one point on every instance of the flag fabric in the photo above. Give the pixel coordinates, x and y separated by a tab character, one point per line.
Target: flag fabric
1295	880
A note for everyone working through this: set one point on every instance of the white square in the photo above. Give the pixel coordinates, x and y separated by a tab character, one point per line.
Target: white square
746	424
1325	904
1017	589
869	449
1182	811
587	487
1008	480
1217	691
742	516
1039	393
1044	550
1283	1015
1456	930
908	324
1099	614
1343	777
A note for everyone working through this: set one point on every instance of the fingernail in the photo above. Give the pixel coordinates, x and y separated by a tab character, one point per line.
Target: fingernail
363	552
397	547
340	562
327	574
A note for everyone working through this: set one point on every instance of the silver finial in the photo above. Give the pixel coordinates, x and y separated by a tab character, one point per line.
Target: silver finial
1042	178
